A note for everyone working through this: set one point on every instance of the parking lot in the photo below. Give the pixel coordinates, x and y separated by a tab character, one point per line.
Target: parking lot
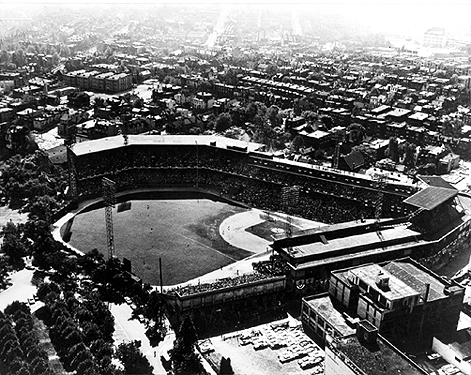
279	347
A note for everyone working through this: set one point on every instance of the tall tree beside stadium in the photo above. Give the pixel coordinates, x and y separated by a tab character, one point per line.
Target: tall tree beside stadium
184	359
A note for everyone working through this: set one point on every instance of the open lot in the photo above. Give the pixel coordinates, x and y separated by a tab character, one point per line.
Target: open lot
279	347
183	232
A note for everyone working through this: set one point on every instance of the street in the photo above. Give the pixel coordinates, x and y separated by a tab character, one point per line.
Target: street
127	330
21	289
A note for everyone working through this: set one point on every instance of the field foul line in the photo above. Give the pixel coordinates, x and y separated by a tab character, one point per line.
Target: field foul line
202	244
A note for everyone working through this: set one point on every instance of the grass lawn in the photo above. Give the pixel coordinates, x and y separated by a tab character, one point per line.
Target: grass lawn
267	229
183	232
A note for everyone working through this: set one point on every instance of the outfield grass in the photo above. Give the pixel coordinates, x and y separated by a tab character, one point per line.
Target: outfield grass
183	232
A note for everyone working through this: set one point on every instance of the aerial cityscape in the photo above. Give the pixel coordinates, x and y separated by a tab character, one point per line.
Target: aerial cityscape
235	188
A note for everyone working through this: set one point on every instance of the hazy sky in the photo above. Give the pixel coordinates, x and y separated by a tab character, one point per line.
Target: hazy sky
388	16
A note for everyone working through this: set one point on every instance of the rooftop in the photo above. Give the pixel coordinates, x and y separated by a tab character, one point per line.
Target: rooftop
417	279
380	358
109	143
323	306
376	240
431	197
396	290
436	181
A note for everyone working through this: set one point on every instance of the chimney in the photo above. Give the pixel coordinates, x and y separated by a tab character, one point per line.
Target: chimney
382	281
366	332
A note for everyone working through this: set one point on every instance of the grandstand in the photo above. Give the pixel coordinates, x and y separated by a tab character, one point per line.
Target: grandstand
236	170
416	223
440	222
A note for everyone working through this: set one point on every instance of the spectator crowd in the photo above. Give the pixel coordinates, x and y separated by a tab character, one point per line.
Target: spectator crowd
232	175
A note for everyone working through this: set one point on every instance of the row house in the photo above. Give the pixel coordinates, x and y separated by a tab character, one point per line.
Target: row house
69	120
6	114
84	80
49	118
96	80
118	82
99	81
224	90
15	78
203	101
27	116
93	129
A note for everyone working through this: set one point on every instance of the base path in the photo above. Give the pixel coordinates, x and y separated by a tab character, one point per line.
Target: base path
233	231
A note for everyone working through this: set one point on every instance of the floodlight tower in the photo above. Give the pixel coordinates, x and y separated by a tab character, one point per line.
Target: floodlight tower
109	198
290	196
380	185
72	171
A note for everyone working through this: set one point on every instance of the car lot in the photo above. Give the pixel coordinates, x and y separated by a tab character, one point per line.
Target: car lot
279	347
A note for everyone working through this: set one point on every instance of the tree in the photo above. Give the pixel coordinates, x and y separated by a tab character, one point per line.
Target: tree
226	367
427	169
310	116
55	59
223	122
409	150
183	355
132	359
79	99
4	273
273	114
393	149
45	289
5	57
18	58
64	51
357	131
368	154
13	246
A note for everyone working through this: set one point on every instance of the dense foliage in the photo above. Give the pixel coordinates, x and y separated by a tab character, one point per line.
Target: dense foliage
20	349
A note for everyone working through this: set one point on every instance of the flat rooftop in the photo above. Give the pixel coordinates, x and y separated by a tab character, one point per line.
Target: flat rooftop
109	143
417	279
396	290
323	307
378	239
380	358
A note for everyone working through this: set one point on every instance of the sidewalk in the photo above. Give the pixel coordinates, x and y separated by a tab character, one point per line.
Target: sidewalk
127	330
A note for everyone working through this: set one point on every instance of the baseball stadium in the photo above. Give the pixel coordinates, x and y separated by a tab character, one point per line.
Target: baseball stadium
195	209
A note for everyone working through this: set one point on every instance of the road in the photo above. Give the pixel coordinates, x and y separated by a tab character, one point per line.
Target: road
127	330
21	289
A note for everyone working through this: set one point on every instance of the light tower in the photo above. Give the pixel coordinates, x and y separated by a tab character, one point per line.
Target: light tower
380	185
72	171
109	199
290	197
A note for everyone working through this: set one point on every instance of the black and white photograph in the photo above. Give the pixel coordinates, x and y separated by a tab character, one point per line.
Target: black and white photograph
235	188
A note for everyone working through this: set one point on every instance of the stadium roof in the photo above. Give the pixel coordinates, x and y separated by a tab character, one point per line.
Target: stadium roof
108	143
435	181
324	246
431	197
